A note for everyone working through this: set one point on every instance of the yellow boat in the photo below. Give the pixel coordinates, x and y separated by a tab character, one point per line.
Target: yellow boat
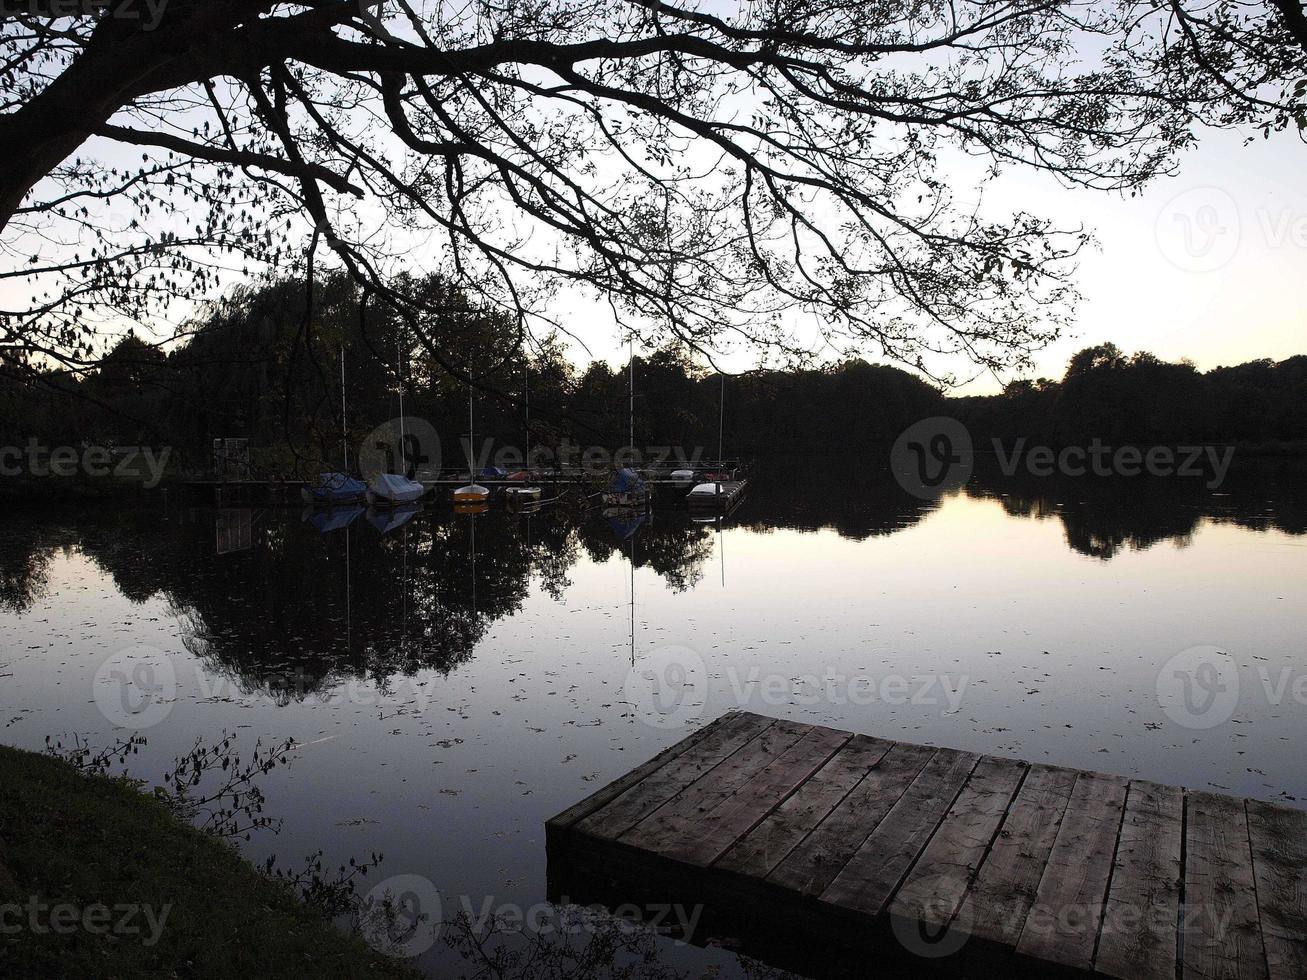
473	493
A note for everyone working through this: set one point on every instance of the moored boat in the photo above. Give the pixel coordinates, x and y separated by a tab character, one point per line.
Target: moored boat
334	488
473	493
719	495
626	489
682	477
392	489
517	496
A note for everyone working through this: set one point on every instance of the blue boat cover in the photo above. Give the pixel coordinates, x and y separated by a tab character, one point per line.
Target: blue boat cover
625	480
337	486
493	473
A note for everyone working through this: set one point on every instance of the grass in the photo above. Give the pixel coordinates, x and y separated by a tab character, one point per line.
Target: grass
81	841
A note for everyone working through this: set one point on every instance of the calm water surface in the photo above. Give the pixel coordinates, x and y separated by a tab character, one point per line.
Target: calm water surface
454	682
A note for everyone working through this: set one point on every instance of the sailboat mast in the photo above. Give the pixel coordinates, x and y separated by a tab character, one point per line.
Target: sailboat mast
399	373
632	564
344	439
721	418
471	478
526	384
630	389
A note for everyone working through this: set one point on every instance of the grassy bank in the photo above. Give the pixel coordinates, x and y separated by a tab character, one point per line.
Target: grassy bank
99	879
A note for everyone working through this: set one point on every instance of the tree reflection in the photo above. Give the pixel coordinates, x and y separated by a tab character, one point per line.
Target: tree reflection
267	600
1103	517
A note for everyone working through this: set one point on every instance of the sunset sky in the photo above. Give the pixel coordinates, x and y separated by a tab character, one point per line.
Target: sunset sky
1209	264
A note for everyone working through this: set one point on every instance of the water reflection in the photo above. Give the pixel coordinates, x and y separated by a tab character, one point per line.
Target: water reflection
357	639
288	603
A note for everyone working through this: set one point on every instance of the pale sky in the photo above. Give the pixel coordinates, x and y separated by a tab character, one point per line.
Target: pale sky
1210	264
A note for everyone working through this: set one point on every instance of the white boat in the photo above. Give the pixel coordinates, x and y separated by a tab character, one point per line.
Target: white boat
682	476
390	489
705	493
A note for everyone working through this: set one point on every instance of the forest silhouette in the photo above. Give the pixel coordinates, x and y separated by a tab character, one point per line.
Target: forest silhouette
255	366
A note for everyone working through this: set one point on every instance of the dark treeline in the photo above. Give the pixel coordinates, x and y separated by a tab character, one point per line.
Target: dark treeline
1143	400
265	366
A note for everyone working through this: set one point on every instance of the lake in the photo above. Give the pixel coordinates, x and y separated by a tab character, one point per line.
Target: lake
453	681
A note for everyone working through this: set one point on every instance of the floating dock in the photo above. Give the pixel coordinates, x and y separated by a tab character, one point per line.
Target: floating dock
727	498
803	844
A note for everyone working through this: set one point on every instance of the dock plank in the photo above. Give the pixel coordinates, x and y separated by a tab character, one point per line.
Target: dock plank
624	782
1278	837
1139	935
778	834
635	802
815	862
869	880
714	831
668	829
937	884
1000	899
1062	924
1221	935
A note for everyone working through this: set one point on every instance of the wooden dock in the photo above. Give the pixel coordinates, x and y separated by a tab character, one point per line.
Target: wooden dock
813	849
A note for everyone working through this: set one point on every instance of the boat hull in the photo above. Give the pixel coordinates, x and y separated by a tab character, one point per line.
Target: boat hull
473	493
626	498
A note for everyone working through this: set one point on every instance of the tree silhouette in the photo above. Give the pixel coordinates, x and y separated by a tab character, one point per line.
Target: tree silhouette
708	173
